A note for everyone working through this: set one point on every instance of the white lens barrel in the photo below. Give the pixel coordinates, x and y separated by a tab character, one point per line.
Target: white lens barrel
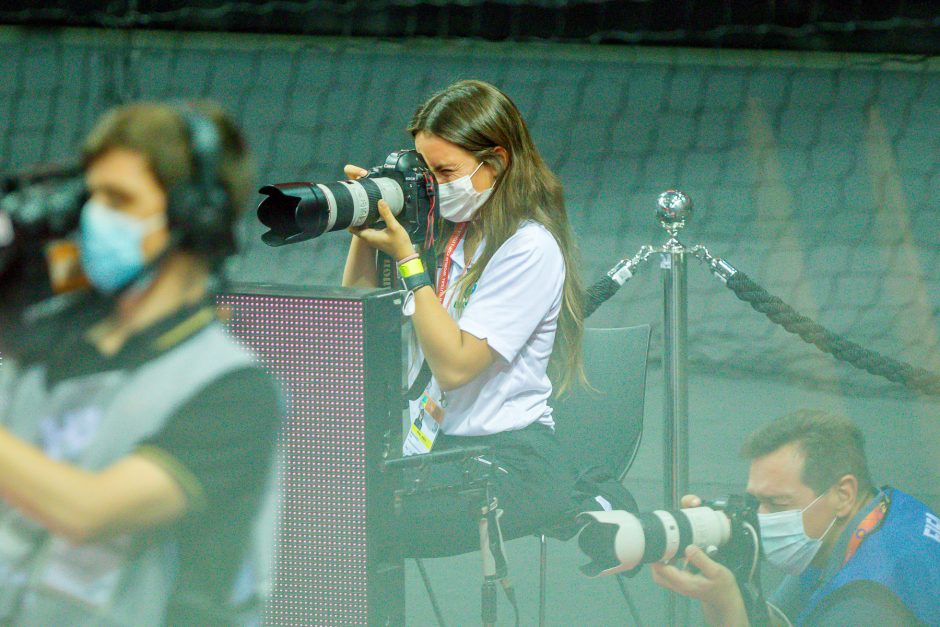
655	536
392	193
629	542
360	203
671	530
710	527
331	205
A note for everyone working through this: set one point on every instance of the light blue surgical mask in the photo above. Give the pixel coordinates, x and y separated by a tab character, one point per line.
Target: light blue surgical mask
111	245
785	542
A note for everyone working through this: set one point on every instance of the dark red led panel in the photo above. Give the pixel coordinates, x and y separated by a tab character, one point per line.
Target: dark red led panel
338	355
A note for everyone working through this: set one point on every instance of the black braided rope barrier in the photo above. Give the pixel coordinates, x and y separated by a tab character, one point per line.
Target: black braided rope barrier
779	312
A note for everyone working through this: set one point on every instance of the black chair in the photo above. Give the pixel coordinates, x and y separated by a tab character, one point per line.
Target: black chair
601	425
598	425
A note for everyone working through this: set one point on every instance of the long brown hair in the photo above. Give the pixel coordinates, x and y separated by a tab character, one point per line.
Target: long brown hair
478	117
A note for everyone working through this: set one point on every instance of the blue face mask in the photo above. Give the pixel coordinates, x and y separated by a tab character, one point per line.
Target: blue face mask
785	541
112	245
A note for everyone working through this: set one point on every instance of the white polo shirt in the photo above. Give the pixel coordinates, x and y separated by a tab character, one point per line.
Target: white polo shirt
515	308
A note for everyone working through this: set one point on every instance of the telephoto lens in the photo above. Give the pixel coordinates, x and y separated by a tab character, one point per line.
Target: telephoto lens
618	541
295	212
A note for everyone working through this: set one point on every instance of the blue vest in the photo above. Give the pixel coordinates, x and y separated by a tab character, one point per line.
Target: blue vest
903	555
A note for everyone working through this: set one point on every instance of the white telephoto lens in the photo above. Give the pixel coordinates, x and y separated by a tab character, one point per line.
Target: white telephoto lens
392	193
629	542
671	531
710	527
360	203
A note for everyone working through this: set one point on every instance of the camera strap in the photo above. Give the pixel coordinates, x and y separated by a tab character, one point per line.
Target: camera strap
386	269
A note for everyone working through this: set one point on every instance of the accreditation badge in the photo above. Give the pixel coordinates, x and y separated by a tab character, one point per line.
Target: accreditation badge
424	428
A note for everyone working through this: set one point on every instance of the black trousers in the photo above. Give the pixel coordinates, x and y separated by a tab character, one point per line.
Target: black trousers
533	485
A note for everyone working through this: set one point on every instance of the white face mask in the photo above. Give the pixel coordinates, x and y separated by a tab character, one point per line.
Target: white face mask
459	200
785	542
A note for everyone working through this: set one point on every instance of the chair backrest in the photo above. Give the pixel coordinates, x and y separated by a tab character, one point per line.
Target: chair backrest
603	425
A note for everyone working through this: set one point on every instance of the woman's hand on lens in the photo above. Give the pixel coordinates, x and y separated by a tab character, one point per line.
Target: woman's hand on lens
354	172
393	240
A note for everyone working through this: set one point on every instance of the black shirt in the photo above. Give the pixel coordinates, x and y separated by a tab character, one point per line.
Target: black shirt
218	446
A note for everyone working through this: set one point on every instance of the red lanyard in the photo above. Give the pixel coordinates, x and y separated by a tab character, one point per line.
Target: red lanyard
444	278
870	523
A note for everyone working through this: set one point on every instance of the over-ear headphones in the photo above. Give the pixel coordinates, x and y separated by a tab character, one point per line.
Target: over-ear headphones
199	208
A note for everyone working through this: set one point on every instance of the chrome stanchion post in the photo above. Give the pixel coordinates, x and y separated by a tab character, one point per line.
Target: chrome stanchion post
673	209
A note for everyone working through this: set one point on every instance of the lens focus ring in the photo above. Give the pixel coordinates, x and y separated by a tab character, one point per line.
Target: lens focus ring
374	194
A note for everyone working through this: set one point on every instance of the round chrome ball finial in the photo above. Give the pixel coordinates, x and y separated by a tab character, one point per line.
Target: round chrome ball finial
673	208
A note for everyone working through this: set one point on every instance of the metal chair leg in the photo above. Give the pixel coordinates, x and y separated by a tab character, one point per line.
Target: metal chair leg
543	563
427	586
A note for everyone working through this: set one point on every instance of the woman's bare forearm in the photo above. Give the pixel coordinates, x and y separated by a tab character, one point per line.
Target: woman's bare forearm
360	268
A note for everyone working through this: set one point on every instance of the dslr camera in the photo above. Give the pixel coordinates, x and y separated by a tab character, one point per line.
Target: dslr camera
727	529
40	203
37	205
619	541
294	212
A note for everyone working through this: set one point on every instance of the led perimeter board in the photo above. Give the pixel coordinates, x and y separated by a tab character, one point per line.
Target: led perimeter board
337	354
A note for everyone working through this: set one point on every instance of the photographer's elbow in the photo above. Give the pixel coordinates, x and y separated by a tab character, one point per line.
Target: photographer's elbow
450	381
455	375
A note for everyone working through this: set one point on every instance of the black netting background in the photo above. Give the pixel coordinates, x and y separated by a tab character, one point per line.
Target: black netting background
815	173
871	25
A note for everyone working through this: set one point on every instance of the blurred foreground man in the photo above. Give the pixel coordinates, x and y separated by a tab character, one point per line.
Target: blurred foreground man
854	554
137	437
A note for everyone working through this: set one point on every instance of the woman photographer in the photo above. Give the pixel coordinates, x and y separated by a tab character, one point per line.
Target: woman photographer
507	301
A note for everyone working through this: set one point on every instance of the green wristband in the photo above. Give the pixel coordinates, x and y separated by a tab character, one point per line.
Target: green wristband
415	281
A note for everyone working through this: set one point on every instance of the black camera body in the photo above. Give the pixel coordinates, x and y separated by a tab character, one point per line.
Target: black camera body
37	205
295	212
40	204
741	552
